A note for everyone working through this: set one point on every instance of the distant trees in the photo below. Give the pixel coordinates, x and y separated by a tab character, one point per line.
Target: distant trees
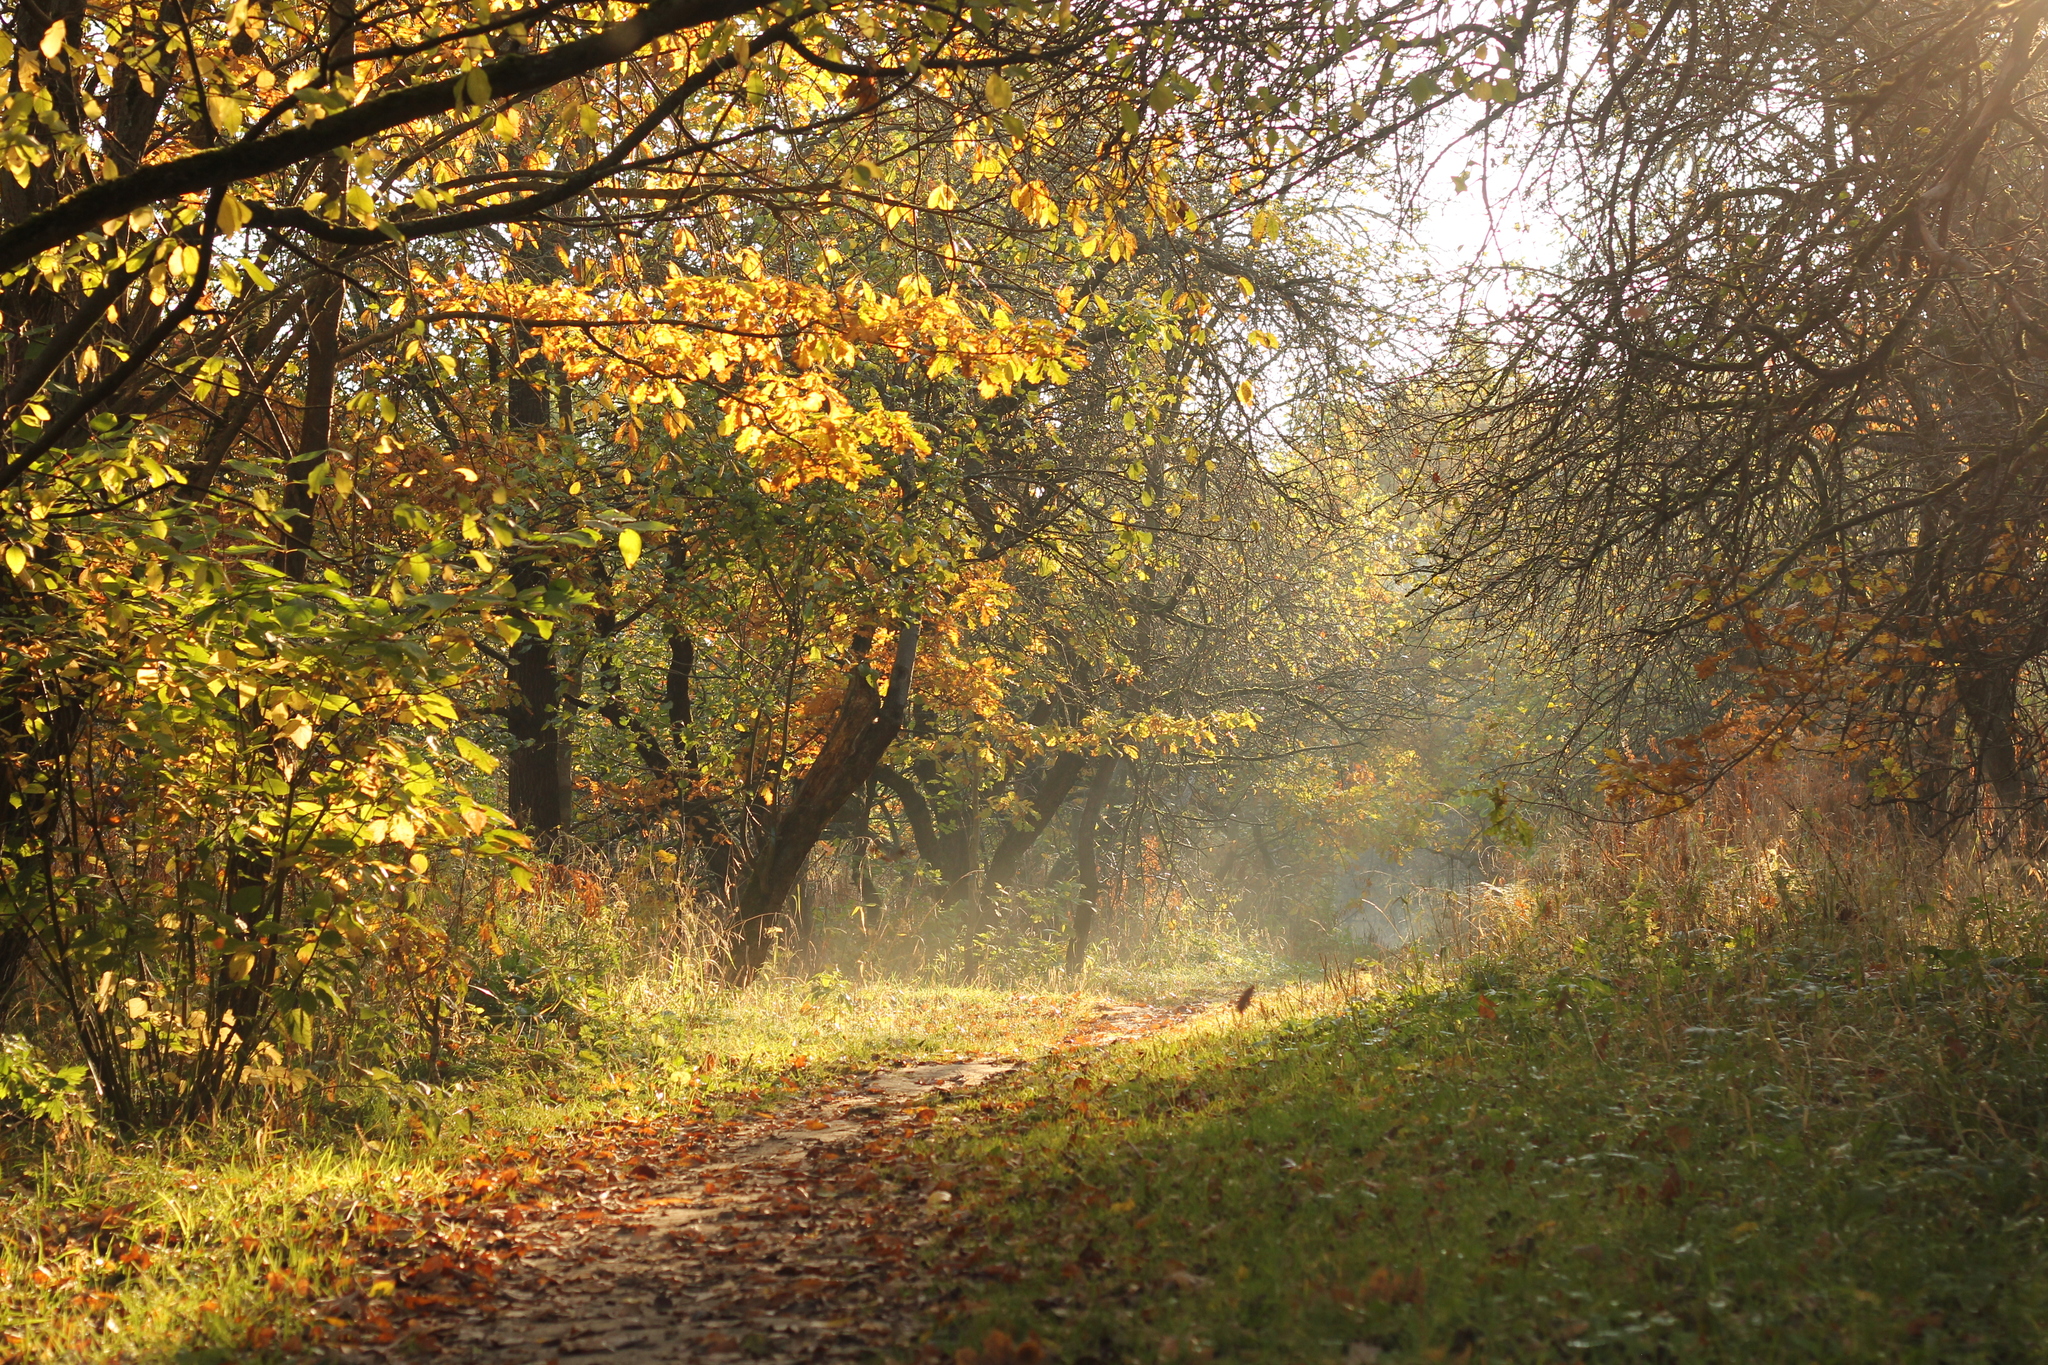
1766	463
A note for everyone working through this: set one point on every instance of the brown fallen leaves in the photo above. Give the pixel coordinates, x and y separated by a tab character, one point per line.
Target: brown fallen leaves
781	1237
793	1235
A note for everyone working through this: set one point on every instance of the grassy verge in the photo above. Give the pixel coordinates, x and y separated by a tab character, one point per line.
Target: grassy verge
207	1249
1668	1122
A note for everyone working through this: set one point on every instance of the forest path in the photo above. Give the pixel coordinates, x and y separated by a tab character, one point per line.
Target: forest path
786	1235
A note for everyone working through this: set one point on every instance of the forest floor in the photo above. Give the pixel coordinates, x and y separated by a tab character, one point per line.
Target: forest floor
514	1208
792	1233
1816	1148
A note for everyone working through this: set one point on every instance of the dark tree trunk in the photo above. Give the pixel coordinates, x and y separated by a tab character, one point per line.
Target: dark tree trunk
316	424
862	728
924	827
863	848
1086	862
717	848
540	771
534	795
1932	807
1990	701
956	844
1044	802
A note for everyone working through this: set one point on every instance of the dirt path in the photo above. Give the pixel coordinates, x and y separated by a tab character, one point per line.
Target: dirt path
785	1236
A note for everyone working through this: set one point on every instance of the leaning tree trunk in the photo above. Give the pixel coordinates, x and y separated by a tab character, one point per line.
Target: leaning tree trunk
863	727
1043	801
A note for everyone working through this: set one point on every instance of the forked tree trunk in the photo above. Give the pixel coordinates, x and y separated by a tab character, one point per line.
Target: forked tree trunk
863	727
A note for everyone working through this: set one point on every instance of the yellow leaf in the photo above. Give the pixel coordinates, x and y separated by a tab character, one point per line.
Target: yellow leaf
301	732
998	91
234	214
483	760
1036	203
1244	392
53	40
629	545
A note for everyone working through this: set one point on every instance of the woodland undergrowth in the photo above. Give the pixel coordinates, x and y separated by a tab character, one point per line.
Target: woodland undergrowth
1765	1080
531	1021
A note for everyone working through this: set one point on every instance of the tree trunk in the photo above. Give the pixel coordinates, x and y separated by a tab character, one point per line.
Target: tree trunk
956	843
1991	702
863	727
864	896
1044	803
534	795
540	772
1085	860
944	836
316	423
1932	807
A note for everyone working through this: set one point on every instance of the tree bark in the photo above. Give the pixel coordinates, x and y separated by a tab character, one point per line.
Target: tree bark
1087	864
924	830
323	343
316	426
540	772
1047	797
863	727
1990	702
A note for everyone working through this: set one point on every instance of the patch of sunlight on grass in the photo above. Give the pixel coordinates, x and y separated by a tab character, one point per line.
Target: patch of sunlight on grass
212	1242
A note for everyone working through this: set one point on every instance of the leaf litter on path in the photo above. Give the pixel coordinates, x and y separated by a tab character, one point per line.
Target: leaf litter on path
783	1236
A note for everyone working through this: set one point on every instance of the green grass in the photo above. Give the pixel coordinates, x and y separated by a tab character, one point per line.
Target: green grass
1785	1148
209	1248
